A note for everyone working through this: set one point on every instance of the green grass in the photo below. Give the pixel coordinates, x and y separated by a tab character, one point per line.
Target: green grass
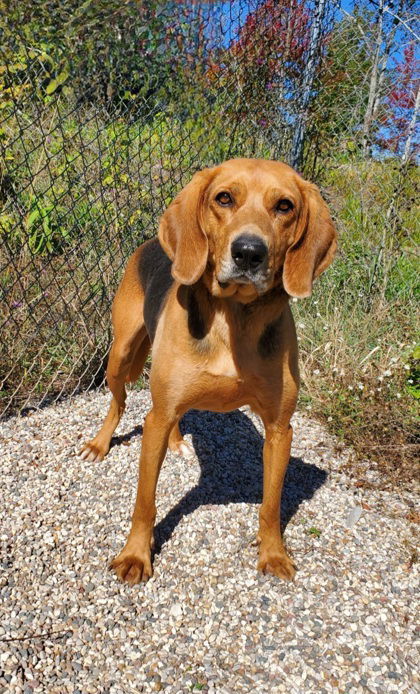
358	331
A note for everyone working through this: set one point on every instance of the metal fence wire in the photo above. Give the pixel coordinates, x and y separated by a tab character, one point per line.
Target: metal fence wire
107	108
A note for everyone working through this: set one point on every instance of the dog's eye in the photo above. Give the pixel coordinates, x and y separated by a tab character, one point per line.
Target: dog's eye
284	205
224	199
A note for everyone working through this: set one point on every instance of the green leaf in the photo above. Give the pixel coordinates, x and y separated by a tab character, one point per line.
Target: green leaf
32	217
57	82
414	391
51	87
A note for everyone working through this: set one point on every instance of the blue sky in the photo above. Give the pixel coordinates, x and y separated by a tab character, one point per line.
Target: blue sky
231	14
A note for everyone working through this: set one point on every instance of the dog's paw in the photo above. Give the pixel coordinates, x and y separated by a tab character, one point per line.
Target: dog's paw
277	563
93	452
183	448
132	568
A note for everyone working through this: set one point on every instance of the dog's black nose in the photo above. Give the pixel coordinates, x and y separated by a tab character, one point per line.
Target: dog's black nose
249	252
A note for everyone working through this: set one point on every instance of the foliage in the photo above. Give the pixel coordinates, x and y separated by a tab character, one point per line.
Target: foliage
342	89
357	333
266	61
49	44
400	103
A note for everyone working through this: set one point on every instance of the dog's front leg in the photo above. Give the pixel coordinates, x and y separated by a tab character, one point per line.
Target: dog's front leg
134	563
273	556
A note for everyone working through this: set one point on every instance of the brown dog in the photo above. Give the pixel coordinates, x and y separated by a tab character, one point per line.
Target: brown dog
210	296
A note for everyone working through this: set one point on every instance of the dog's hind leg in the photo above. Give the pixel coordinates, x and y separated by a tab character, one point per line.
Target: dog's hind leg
128	354
139	360
119	372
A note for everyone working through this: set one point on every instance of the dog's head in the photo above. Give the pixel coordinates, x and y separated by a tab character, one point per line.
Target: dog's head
246	226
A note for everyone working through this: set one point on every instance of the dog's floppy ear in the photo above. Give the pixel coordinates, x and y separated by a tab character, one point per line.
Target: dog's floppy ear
314	245
180	232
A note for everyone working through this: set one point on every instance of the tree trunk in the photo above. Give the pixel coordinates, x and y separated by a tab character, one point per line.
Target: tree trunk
373	87
384	60
411	129
308	80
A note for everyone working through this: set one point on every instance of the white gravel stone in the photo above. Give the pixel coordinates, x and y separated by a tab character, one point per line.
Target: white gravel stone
206	621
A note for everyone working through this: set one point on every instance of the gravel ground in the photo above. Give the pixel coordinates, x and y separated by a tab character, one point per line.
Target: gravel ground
206	621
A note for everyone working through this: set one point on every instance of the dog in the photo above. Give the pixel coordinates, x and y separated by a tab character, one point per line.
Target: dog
210	298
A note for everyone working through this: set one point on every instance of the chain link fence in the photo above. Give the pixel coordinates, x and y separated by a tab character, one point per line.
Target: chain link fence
108	108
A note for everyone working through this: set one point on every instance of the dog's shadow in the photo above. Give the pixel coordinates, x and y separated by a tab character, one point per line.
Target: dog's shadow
229	450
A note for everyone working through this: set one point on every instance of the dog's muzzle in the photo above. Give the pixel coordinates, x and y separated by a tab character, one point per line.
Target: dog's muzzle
249	254
246	262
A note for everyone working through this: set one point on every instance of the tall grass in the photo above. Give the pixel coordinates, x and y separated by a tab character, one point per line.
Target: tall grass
358	333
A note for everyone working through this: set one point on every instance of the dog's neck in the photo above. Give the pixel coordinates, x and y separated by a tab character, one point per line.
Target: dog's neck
205	310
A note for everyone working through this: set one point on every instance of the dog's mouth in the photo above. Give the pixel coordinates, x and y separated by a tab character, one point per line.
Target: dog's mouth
258	278
242	284
237	279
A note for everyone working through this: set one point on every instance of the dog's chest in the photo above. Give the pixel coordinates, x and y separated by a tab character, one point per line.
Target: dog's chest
219	360
230	375
231	351
222	364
